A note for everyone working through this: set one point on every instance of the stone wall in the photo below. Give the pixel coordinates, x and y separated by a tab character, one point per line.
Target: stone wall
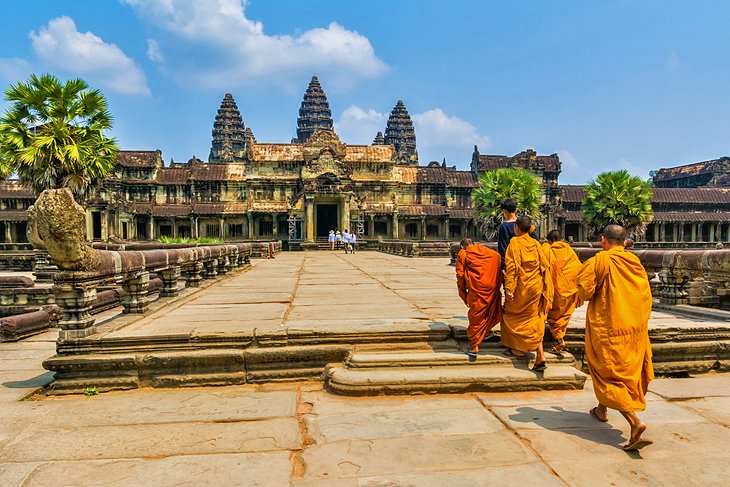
415	249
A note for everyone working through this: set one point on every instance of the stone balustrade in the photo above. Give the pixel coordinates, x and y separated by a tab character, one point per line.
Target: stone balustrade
414	248
259	249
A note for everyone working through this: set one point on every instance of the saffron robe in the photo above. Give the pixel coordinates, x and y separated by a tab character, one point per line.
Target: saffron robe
527	277
479	280
617	348
564	267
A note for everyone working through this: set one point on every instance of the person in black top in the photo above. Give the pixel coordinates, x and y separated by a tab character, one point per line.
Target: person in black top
507	228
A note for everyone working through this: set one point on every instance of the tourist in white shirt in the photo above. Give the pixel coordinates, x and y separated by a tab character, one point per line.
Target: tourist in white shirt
338	240
353	242
331	239
346	239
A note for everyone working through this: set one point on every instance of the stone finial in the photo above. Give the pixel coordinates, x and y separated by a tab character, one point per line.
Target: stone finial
229	141
60	223
400	133
314	113
379	139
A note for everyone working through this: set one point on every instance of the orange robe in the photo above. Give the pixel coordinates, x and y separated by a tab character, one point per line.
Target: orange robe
527	277
479	278
564	267
618	351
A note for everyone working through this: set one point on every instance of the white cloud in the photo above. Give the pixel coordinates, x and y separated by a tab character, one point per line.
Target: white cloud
357	126
14	69
153	51
567	159
230	49
60	46
436	128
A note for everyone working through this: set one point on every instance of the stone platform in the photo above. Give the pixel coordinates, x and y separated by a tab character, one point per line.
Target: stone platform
292	317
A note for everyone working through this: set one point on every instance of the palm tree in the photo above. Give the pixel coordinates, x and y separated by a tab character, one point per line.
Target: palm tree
617	197
500	184
52	135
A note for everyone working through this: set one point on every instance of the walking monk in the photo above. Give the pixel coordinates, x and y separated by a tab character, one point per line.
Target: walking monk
564	268
529	294
617	350
479	279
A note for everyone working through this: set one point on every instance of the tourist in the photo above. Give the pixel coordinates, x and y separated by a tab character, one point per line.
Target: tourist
564	268
479	281
338	240
353	242
529	294
331	239
617	346
506	229
345	239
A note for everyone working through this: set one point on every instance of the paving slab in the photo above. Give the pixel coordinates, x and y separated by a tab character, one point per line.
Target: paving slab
532	474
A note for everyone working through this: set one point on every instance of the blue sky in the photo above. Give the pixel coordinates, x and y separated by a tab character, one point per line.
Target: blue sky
605	84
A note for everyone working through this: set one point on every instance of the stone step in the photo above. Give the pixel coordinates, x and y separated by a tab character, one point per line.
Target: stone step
489	357
450	379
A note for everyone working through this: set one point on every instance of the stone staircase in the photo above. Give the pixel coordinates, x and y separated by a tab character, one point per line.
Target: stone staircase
372	372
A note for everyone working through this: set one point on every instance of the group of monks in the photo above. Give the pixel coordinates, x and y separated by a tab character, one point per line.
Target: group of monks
545	283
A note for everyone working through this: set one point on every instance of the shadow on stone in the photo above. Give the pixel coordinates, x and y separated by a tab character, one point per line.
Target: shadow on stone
37	381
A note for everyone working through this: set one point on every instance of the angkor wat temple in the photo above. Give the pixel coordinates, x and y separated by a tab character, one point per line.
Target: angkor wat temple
299	191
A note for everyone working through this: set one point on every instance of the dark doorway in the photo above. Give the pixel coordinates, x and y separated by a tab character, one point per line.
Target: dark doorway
326	219
96	225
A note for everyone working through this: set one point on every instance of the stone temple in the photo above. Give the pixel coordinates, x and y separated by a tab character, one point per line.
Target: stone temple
297	192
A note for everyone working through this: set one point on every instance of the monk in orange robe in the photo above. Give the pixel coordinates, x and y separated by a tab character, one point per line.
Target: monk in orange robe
564	268
529	294
479	279
617	349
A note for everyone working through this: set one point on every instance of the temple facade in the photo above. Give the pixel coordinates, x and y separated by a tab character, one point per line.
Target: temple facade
299	191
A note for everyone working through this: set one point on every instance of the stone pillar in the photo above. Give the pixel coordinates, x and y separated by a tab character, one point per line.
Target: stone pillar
224	265
174	227
105	225
346	213
446	229
423	228
211	269
75	297
8	233
193	227
274	224
699	232
309	218
169	282
151	229
394	231
249	221
718	232
193	274
233	260
371	227
712	232
221	228
694	232
89	225
662	232
136	286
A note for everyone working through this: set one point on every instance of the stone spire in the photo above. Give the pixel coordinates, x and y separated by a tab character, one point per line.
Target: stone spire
399	132
379	140
315	113
229	141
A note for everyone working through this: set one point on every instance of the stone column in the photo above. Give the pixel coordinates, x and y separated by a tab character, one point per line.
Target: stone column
151	229
309	218
89	225
274	224
105	225
136	286
446	229
174	227
169	282
193	227
75	296
221	228
693	227
346	213
712	232
249	221
718	232
371	227
662	232
394	231
211	269
224	265
8	233
699	232
423	228
193	274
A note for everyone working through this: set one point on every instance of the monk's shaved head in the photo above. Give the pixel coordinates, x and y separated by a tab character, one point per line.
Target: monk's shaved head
615	234
524	223
554	236
466	242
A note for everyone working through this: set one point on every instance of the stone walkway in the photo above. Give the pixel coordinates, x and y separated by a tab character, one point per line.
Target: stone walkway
297	434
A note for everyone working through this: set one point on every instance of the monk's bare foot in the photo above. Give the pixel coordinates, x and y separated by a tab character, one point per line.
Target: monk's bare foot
637	430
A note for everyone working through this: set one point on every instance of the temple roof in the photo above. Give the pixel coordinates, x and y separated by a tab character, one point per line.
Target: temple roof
689	170
11	189
229	135
13	215
668	216
437	175
141	159
314	113
576	194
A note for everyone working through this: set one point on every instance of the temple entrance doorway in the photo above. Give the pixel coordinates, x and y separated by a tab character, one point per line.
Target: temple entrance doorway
326	219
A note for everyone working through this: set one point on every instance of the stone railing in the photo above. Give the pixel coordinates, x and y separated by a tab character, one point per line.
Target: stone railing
421	248
56	223
259	249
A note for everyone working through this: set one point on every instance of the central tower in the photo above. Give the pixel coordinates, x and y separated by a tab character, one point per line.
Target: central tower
315	113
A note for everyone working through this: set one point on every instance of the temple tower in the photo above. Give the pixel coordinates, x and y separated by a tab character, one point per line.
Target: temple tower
399	132
315	113
379	140
229	139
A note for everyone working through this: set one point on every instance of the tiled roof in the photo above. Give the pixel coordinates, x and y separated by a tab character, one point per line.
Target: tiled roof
173	175
13	215
12	189
172	210
690	216
688	170
551	162
461	179
575	194
431	175
422	210
461	213
492	162
218	172
572	193
573	216
140	159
